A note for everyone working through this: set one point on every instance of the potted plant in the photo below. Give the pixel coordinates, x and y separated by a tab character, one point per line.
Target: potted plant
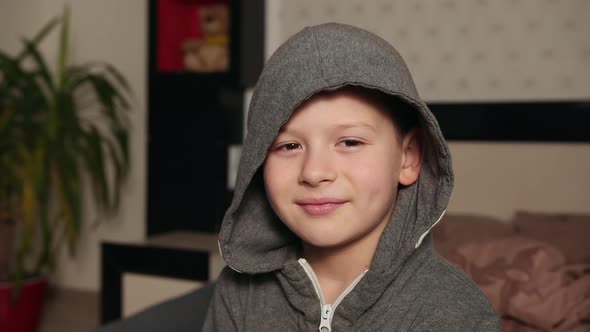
59	129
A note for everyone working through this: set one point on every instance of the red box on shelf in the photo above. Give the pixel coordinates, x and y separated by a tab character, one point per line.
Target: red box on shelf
193	35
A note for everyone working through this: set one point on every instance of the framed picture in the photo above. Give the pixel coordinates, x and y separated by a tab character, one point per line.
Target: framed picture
193	35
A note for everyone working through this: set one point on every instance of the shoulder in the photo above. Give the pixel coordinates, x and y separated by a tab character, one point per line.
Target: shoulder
236	286
229	277
454	299
233	279
230	284
234	296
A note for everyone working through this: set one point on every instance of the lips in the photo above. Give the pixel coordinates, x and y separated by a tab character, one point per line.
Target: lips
320	206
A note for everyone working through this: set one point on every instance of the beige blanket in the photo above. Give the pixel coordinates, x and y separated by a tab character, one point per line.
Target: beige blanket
529	283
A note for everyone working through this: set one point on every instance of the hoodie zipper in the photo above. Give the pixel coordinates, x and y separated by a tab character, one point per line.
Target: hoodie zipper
327	310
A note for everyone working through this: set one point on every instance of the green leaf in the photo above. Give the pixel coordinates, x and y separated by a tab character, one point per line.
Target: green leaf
110	69
47	140
41	34
45	256
43	71
65	181
95	163
6	115
122	137
10	69
107	92
63	47
121	164
70	203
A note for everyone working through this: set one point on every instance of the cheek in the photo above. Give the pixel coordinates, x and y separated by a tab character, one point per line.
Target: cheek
269	180
276	178
377	175
279	188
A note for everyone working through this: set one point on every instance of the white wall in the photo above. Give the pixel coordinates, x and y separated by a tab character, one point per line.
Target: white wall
467	50
116	32
482	50
498	178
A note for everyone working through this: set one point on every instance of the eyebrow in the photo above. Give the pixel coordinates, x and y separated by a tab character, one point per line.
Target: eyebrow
356	125
342	127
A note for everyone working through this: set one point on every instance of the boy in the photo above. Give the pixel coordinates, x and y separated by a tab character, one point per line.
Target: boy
343	173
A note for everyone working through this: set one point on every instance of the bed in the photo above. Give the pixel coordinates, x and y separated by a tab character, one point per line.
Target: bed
533	268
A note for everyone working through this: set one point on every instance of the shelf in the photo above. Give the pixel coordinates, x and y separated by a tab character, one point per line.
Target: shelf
172	22
147	259
183	79
194	117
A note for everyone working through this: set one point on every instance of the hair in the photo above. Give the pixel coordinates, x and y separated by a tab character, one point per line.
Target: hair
403	115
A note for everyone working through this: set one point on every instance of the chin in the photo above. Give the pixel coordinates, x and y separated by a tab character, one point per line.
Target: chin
324	242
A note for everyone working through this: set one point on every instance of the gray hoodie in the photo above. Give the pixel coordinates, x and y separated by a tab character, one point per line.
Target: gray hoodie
408	287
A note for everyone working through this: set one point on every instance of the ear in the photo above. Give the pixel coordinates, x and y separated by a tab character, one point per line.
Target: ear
411	157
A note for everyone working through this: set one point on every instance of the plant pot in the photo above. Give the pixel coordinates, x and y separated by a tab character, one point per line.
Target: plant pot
25	314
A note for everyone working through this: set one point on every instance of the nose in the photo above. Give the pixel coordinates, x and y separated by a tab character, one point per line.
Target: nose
317	168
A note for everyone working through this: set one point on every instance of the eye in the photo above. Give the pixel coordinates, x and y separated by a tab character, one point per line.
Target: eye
350	143
289	147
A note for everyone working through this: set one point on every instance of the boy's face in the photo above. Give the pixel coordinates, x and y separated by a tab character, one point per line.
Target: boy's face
332	173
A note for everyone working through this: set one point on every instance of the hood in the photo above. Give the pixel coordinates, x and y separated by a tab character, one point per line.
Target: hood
325	57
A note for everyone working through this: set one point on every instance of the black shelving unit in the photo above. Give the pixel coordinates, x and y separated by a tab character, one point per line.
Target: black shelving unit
193	119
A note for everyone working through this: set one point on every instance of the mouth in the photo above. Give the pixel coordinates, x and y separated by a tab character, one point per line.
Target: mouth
320	206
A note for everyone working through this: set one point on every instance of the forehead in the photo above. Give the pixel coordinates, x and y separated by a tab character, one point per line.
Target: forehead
341	106
366	96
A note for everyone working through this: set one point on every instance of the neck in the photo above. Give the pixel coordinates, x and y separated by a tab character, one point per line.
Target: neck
337	267
342	264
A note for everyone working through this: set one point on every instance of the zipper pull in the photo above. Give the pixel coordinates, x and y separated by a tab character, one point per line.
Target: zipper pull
326	322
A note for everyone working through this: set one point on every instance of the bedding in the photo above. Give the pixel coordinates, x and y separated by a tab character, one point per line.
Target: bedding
535	281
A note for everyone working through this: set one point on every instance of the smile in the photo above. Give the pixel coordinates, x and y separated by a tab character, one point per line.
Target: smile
320	207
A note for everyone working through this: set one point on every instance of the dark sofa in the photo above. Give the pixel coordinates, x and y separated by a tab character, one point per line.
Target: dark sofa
182	314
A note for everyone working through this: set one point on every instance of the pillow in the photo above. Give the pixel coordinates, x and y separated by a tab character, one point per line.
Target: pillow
496	264
567	232
456	229
528	280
